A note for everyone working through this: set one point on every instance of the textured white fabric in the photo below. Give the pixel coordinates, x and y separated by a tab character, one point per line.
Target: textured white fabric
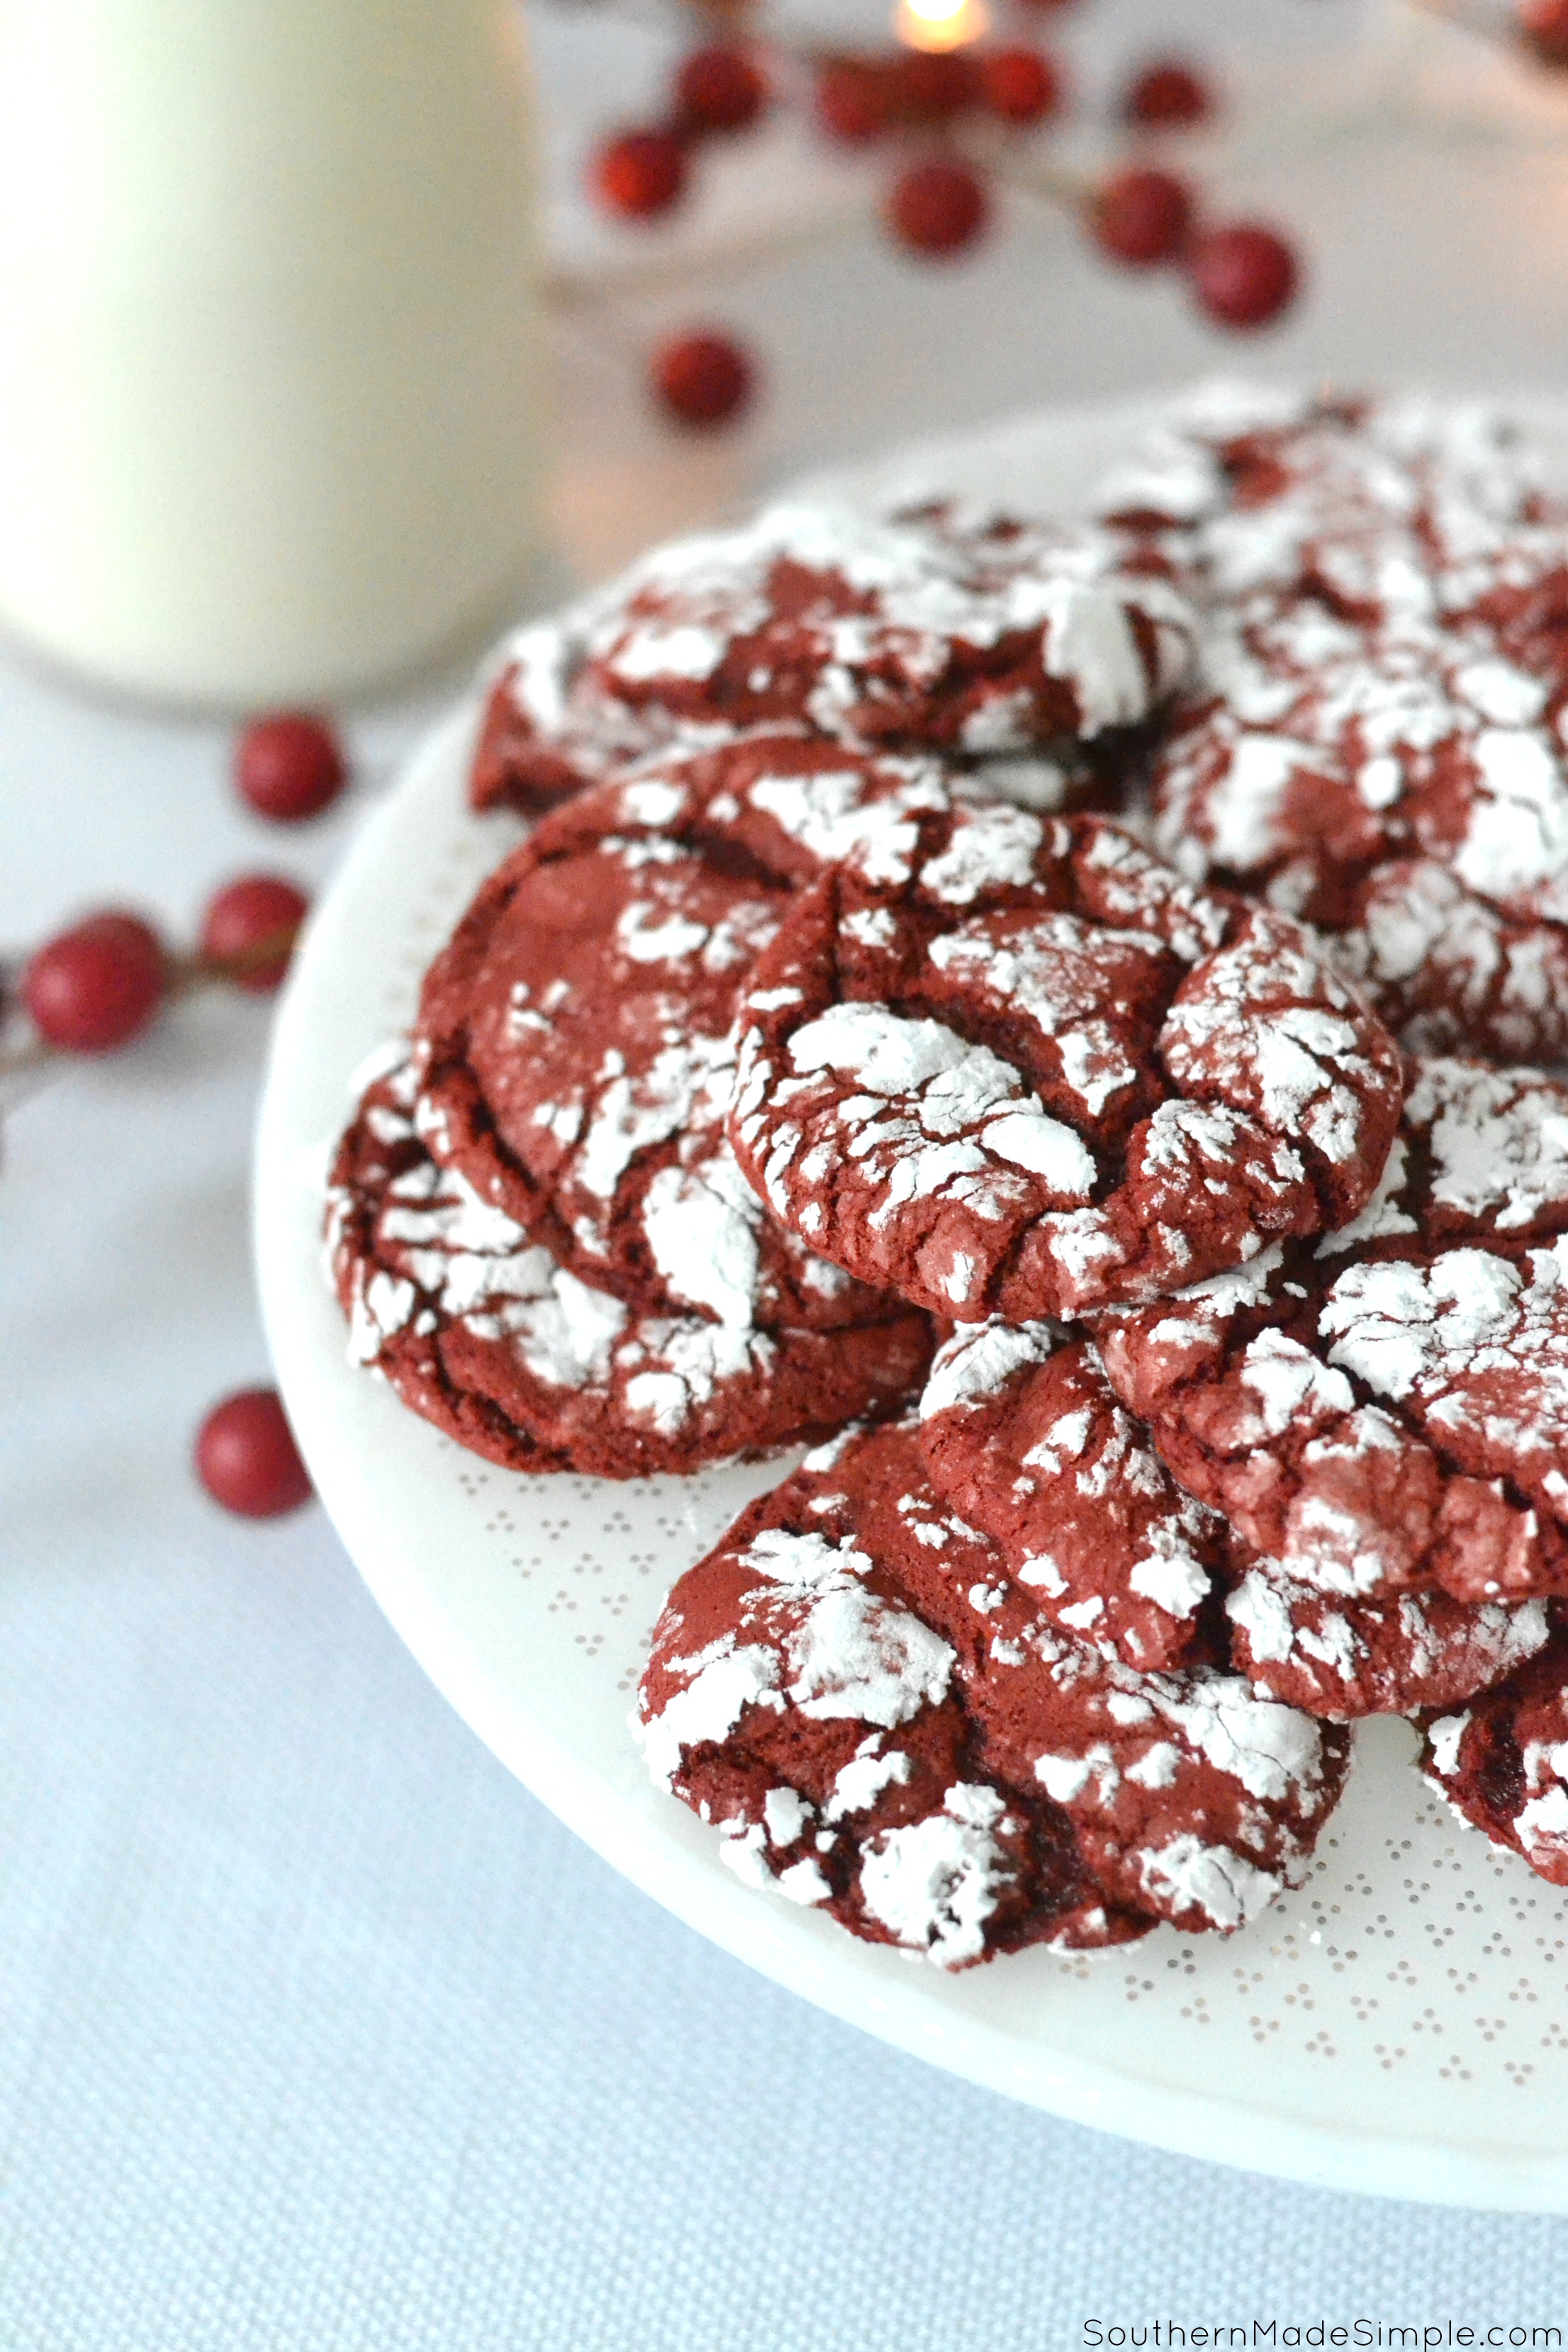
316	2034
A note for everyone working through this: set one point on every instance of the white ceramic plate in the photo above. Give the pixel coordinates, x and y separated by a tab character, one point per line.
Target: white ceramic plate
1400	2025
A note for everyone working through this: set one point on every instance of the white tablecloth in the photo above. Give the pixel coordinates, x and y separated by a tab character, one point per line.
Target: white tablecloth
316	2032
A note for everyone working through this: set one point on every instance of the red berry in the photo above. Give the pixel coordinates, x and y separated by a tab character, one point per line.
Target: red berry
702	380
96	986
852	100
288	767
938	207
720	88
246	1458
1167	96
1244	276
1141	217
1544	25
259	912
640	174
1020	85
932	86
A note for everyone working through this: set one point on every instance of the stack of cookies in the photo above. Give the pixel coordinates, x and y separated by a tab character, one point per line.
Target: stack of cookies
1048	1015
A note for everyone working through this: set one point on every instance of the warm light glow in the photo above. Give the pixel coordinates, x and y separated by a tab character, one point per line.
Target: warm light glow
940	24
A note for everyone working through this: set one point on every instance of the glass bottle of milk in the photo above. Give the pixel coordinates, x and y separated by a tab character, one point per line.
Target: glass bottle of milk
269	338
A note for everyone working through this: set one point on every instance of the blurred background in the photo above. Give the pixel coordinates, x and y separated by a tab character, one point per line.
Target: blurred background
1422	167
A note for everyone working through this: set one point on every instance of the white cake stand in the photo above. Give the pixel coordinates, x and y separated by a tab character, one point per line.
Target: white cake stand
1400	2025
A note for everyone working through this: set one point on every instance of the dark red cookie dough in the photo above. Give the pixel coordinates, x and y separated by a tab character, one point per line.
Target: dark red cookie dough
986	640
481	1328
1025	1438
1043	1073
1502	1764
852	1690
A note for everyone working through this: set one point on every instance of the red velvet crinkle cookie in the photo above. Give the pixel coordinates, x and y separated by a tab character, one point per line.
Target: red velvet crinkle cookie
851	1690
1391	1654
1502	1764
1374	741
1024	1437
1043	1073
1445	970
1384	1414
1411	794
1325	749
481	1328
987	640
773	807
575	1050
1252	491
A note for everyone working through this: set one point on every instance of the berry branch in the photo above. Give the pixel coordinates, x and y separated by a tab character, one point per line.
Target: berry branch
964	120
95	988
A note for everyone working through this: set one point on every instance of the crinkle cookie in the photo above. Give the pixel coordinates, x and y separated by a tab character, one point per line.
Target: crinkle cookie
1445	970
1042	1073
1412	794
1384	1414
1343	1657
772	807
1361	504
1374	741
1025	1438
481	1328
574	1048
850	1688
1325	749
1502	1764
986	641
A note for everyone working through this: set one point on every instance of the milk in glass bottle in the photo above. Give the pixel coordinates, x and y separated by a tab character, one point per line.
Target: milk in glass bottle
268	337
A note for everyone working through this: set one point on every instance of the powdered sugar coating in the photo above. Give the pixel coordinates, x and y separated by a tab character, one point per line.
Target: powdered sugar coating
1473	1347
574	1053
1392	1653
987	640
1023	1438
1377	729
1384	1412
1445	970
1028	1789
1378	507
1041	1072
481	1328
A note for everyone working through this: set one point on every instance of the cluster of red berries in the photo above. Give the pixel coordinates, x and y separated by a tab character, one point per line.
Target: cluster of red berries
95	987
939	203
98	985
